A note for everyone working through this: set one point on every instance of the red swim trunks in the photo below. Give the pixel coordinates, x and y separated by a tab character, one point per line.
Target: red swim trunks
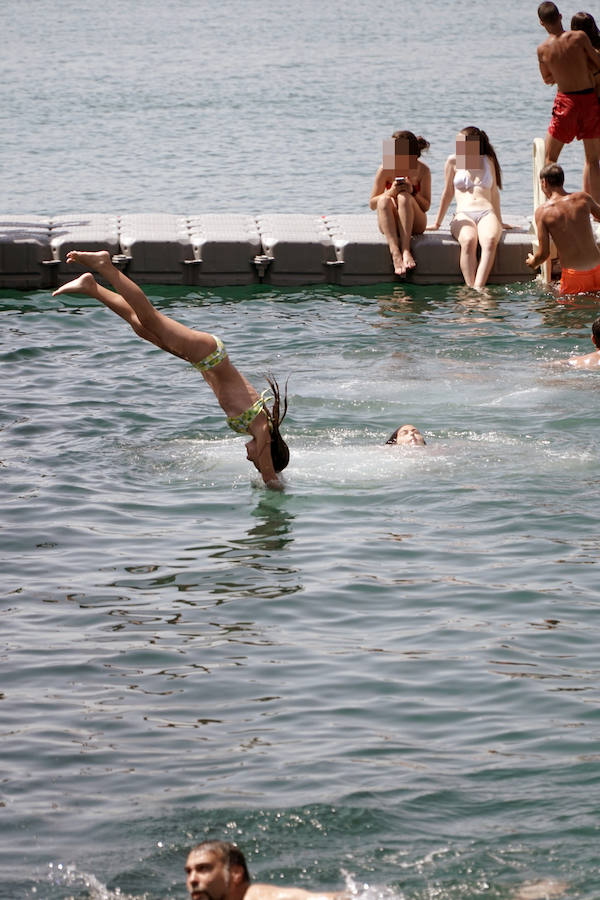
578	281
575	115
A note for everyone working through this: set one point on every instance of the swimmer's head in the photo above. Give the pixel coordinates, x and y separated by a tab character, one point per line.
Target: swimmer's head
553	175
402	150
407	435
596	332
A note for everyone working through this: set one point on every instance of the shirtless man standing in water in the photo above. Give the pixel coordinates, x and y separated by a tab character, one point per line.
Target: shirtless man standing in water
566	218
567	59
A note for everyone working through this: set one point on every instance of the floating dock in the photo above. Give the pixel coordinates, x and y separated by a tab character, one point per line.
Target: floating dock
236	249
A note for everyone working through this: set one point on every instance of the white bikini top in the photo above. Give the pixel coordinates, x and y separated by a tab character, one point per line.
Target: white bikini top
464	182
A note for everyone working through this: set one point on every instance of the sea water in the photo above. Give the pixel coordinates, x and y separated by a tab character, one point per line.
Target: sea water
388	670
386	676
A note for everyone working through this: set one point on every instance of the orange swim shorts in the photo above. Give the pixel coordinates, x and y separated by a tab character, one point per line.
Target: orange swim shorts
579	281
575	115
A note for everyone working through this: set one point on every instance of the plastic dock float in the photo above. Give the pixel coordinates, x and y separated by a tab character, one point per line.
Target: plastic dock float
229	249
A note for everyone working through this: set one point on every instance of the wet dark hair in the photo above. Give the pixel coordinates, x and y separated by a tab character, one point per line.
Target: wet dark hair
280	452
416	145
583	21
230	854
485	148
548	13
553	174
596	332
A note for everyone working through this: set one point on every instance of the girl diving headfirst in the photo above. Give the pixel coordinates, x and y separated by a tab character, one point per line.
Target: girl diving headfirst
246	411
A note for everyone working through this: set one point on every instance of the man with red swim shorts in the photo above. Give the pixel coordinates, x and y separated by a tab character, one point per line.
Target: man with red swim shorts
567	59
566	219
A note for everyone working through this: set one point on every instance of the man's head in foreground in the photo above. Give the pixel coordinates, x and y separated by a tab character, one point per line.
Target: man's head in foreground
216	870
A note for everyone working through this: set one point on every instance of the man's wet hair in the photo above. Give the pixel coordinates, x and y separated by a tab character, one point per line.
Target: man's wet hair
596	332
548	13
553	174
230	854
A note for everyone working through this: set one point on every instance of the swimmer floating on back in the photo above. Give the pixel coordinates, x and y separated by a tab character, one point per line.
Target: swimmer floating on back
247	412
407	435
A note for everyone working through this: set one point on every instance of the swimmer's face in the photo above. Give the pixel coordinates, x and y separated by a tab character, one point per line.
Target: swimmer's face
468	154
207	876
397	157
409	435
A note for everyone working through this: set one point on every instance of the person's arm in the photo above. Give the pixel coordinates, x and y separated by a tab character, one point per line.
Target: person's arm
496	204
274	892
534	260
423	198
594	209
378	188
446	199
547	76
593	56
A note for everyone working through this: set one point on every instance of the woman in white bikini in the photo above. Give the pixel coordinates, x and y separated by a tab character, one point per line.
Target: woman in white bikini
247	412
474	179
402	195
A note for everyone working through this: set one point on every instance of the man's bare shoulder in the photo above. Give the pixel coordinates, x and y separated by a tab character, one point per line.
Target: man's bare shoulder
589	361
277	892
541	50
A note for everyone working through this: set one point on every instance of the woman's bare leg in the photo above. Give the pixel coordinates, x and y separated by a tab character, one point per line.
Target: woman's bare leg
410	222
465	232
131	304
489	232
387	218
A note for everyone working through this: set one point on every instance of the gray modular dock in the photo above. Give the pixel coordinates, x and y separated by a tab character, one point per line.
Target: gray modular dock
235	249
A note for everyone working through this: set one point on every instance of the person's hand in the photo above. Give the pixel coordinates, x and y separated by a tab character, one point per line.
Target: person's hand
406	187
434	227
531	262
506	227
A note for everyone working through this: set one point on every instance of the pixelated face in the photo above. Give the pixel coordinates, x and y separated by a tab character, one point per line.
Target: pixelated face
468	155
397	157
410	435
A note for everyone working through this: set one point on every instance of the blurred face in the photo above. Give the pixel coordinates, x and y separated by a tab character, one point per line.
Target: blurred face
397	157
207	876
410	435
467	152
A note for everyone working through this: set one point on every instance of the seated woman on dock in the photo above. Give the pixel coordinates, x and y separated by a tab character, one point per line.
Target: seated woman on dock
402	195
247	412
474	179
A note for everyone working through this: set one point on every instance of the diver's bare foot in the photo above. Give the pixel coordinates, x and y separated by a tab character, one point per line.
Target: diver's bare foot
85	284
408	259
91	259
399	267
